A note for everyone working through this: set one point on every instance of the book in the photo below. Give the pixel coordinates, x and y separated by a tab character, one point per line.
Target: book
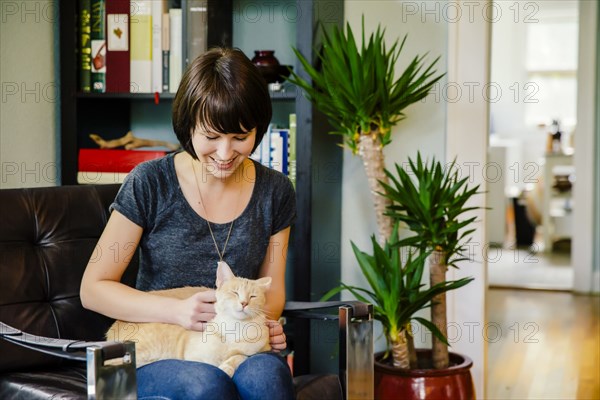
197	24
117	46
265	147
176	49
157	69
292	149
273	150
166	46
98	43
85	46
279	150
100	178
114	160
141	46
275	155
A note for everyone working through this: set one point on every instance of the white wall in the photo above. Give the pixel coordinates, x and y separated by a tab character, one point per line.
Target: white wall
587	276
29	94
508	67
467	142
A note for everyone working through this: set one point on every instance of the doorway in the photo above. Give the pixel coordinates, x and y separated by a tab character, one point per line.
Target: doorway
533	121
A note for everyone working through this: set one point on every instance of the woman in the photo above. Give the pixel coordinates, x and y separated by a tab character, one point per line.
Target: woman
188	211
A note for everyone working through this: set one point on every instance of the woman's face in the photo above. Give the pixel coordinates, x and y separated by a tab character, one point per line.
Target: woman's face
222	153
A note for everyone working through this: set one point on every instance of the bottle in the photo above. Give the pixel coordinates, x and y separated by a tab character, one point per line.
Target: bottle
556	137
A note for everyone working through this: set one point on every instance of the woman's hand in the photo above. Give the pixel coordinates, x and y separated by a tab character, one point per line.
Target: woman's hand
276	335
197	310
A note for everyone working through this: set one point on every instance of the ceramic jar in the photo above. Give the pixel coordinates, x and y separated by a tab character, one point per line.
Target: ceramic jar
267	64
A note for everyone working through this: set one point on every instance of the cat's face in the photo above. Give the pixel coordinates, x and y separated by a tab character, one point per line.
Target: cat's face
241	298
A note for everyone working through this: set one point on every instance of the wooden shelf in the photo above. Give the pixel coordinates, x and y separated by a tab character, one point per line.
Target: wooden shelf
552	162
131	96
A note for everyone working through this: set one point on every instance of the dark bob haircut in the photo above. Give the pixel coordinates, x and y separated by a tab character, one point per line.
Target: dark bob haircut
222	91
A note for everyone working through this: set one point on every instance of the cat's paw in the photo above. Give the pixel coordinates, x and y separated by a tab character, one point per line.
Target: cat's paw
228	369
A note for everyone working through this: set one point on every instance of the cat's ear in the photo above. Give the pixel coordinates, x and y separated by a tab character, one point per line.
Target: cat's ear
224	273
265	282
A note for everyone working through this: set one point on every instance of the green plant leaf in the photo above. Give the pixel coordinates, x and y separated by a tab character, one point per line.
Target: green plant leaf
431	201
357	88
433	329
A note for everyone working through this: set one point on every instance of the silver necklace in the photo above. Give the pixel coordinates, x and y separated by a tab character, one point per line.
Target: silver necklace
201	202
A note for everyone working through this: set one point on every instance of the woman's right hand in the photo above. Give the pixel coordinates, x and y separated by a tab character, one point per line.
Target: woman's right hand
198	309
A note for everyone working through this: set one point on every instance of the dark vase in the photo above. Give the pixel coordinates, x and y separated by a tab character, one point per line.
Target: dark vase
267	64
452	383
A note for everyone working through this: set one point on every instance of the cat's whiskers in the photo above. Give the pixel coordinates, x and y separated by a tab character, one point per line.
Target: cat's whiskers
254	311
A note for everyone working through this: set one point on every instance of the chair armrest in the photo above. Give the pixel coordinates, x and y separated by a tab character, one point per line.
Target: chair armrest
304	309
69	349
116	379
356	358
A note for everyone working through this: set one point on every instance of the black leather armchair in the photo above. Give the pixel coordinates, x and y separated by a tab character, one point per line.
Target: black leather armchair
46	238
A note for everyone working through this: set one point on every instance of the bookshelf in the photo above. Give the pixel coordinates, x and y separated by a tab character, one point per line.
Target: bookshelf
314	254
111	115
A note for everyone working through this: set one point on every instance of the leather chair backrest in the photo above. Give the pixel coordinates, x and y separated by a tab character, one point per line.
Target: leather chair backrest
47	237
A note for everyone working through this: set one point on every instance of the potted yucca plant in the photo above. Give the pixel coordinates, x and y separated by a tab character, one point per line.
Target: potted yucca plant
356	87
396	292
431	200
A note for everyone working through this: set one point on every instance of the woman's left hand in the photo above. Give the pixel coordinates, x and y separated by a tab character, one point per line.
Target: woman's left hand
276	335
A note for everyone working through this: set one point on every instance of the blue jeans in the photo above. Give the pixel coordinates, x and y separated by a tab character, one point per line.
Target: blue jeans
262	376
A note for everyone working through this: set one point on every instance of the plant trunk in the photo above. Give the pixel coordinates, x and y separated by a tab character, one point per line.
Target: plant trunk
400	355
437	274
412	352
371	153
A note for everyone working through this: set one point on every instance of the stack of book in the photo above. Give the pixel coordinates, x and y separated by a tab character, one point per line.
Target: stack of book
277	149
136	46
101	166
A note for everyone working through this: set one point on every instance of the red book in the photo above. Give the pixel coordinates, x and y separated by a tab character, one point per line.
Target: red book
114	160
117	43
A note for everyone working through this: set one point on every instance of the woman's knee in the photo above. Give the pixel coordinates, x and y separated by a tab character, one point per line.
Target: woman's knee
264	375
177	379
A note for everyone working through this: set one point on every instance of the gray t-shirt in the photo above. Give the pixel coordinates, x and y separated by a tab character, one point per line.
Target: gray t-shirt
176	248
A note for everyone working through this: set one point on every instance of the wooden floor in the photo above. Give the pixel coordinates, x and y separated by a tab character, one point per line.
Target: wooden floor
549	347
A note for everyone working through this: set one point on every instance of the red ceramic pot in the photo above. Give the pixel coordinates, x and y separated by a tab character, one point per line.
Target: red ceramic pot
453	383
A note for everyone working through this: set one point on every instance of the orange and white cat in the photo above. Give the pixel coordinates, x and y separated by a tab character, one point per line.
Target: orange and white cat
238	330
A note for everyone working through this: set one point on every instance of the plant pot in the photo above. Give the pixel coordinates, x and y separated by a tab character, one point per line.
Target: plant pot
453	383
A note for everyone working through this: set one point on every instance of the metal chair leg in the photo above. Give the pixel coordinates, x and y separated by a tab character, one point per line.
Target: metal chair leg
113	380
356	352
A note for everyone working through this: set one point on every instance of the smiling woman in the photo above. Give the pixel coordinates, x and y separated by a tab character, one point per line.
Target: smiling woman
190	211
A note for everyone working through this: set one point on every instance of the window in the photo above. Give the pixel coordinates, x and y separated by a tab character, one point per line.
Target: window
551	65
